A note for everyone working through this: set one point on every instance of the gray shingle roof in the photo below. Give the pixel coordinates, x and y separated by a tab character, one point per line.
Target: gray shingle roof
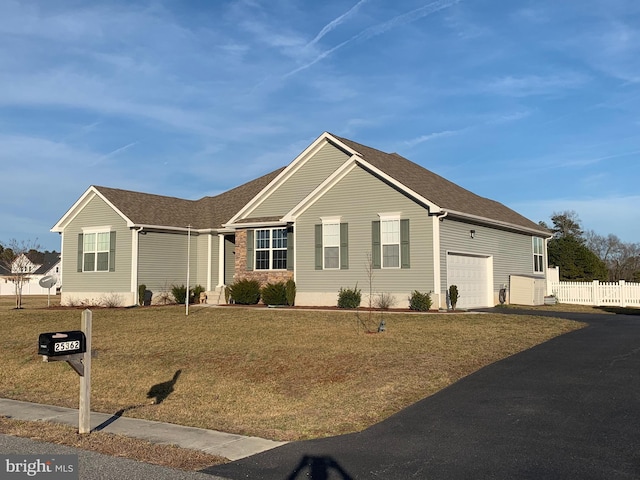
439	190
207	212
213	212
47	261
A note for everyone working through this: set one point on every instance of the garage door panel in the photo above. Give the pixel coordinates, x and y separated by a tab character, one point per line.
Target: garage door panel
471	275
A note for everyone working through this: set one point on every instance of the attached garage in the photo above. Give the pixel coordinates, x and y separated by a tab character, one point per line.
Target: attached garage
473	275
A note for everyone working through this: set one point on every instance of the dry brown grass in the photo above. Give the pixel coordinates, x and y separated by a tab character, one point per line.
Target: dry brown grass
283	374
109	444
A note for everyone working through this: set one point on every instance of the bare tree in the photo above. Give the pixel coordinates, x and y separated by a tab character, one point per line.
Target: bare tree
622	259
16	265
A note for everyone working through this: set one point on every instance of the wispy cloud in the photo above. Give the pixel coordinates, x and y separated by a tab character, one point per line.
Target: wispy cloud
335	23
585	161
431	136
529	85
113	153
381	28
487	120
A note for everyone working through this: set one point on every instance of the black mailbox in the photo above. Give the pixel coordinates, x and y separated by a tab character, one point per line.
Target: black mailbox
62	343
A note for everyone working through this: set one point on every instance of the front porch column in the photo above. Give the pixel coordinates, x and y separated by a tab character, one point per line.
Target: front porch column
221	260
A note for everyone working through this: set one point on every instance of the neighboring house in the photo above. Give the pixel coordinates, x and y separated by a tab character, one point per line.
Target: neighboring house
34	267
338	212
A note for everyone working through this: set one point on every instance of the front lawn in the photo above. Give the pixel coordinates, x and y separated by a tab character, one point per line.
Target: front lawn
283	374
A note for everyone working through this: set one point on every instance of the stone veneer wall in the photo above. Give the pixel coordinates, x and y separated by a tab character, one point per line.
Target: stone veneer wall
262	276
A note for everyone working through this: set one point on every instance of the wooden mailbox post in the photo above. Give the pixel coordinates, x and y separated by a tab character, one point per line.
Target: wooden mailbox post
73	347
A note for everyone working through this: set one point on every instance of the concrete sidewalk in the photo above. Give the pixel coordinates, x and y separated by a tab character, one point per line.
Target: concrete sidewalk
233	447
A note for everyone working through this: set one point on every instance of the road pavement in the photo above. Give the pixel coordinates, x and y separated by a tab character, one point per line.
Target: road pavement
96	466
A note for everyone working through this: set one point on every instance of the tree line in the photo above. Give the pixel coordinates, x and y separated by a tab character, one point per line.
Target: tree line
587	256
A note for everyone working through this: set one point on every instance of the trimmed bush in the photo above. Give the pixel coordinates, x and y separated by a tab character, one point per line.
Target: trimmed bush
290	287
274	294
349	298
453	296
420	302
141	290
245	292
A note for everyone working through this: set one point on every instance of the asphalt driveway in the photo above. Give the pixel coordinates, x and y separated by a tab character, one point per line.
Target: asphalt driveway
569	409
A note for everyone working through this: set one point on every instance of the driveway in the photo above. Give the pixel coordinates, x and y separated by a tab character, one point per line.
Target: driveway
569	409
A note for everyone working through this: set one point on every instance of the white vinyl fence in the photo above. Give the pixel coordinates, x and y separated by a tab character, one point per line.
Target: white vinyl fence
599	294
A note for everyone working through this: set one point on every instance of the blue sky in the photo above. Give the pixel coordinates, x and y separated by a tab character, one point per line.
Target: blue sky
535	104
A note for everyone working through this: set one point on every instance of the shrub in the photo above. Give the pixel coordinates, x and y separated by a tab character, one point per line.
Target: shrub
453	296
163	298
179	293
197	290
274	294
227	294
420	302
111	300
290	288
349	298
385	301
245	292
141	291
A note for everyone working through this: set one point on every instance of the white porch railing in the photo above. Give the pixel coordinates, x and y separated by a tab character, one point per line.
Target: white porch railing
599	294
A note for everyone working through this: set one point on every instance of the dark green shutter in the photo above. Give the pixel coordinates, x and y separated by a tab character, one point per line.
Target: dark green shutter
80	251
318	243
249	250
404	244
112	252
375	244
344	246
290	248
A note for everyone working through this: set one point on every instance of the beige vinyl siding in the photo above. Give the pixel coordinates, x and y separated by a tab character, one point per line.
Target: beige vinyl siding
97	213
357	199
230	258
512	252
163	260
202	259
302	182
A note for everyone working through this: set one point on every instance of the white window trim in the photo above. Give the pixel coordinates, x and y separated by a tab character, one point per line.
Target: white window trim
95	230
537	255
325	222
270	249
385	217
106	228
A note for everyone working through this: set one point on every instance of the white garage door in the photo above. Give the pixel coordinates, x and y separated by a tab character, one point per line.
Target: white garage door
472	276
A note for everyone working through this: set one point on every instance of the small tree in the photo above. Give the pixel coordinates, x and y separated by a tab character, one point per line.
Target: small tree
141	291
453	296
16	265
290	288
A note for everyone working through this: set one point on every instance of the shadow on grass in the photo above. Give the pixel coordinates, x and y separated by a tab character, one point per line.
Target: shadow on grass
158	392
318	468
